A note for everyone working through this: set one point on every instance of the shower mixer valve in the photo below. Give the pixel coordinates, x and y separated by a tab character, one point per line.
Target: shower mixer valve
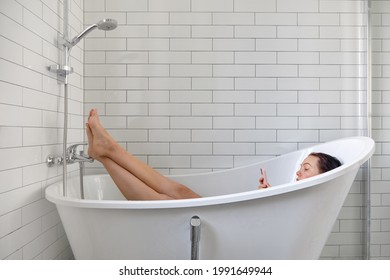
71	156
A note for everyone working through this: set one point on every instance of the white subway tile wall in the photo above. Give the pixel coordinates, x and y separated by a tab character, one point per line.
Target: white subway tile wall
31	121
195	85
381	164
190	86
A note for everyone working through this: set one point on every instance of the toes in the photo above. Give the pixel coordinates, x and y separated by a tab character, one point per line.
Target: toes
89	133
92	112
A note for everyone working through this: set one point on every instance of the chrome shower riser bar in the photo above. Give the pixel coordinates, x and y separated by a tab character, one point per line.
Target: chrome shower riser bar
65	70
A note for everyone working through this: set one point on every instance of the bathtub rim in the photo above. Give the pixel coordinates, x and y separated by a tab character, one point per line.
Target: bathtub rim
51	191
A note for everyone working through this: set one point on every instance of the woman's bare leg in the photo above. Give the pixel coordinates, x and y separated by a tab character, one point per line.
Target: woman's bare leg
130	186
102	145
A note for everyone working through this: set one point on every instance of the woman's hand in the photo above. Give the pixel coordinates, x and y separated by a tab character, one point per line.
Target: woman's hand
263	182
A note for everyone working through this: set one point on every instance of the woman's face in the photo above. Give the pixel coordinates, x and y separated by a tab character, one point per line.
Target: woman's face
309	168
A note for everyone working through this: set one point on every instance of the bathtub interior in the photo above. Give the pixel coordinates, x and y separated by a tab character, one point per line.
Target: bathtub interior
281	172
211	184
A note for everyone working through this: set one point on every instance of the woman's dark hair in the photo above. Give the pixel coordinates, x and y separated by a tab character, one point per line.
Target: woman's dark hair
326	162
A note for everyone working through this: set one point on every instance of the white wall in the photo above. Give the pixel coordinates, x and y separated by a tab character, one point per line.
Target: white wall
188	86
381	133
31	105
198	85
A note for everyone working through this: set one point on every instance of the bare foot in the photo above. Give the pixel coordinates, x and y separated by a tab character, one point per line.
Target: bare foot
99	140
90	141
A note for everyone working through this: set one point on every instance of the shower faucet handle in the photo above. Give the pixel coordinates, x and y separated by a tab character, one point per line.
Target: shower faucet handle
72	156
73	148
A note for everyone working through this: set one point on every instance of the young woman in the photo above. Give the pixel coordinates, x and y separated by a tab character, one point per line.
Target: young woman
138	181
313	164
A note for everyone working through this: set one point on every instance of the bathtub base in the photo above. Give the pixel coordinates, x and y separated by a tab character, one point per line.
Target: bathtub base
165	234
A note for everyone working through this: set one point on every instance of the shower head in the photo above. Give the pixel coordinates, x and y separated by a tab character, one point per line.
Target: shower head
106	24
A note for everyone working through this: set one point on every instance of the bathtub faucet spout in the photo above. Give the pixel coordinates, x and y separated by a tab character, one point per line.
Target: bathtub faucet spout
81	158
72	156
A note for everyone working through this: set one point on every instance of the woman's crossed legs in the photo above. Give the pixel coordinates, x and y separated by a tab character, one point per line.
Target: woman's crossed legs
135	179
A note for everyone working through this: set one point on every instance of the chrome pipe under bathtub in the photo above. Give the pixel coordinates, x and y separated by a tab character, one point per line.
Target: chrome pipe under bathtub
195	237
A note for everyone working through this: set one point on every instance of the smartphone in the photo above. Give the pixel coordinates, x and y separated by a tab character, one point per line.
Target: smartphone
264	174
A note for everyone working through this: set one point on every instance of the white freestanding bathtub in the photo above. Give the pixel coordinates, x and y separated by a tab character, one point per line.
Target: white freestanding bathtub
290	220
